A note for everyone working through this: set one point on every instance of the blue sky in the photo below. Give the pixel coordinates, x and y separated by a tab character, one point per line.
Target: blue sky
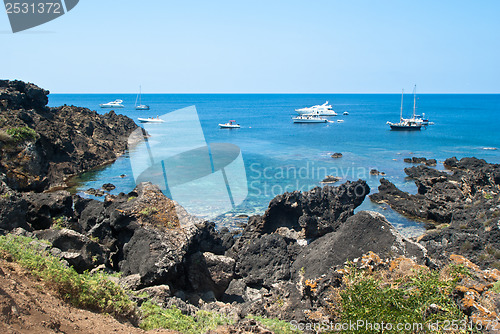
273	46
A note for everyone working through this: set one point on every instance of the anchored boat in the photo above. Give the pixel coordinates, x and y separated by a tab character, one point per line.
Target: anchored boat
230	125
151	120
309	119
140	106
323	110
408	124
114	104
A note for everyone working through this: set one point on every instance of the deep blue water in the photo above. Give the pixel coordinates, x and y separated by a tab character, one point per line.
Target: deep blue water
281	156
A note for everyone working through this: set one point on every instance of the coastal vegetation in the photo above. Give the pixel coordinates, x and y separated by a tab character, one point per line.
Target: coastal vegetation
94	292
97	292
422	297
22	134
155	316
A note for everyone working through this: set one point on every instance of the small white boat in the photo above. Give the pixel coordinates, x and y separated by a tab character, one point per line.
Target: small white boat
230	125
150	120
340	121
309	119
140	106
323	110
114	104
345	113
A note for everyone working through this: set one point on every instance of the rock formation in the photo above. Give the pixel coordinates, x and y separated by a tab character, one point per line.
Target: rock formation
47	145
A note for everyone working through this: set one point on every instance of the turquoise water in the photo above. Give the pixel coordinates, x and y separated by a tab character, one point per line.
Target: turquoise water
281	156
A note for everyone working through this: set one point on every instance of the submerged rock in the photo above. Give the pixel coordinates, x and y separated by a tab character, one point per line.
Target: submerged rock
425	161
376	172
337	155
331	179
108	186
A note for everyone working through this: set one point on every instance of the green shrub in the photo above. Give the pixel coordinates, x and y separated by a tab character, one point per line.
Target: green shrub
496	287
21	134
406	301
148	211
94	292
59	223
154	316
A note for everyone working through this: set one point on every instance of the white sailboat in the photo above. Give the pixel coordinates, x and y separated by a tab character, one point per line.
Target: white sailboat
140	106
407	124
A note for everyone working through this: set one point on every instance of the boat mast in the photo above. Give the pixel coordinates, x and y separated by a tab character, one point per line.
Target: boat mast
140	95
414	100
137	97
401	114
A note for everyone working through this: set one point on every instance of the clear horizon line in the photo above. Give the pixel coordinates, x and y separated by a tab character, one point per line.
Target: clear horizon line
280	93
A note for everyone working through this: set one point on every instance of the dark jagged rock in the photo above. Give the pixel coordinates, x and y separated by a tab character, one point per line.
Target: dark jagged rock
80	252
108	186
94	192
313	213
365	231
465	203
20	95
13	209
425	161
45	207
265	261
210	272
376	172
277	258
331	179
337	155
69	140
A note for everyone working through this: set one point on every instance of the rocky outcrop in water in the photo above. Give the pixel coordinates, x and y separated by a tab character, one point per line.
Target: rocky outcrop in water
40	146
465	203
301	240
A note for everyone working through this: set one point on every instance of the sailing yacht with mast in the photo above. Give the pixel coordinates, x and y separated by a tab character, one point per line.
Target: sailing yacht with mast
407	124
140	106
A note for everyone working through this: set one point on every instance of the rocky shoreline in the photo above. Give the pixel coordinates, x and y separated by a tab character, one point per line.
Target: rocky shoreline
49	145
461	206
282	264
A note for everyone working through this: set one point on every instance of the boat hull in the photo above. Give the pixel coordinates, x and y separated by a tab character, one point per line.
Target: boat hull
224	126
310	120
150	120
406	127
111	105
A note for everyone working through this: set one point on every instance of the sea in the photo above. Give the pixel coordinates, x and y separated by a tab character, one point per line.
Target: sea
281	156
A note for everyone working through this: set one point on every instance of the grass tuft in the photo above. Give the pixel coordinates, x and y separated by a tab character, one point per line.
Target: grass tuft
22	134
154	316
413	299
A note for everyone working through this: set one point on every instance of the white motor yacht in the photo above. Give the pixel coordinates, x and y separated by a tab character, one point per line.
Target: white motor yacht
323	110
114	104
151	120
